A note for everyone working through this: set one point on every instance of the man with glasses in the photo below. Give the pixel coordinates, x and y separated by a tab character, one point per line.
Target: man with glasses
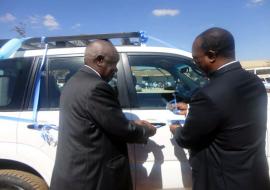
225	127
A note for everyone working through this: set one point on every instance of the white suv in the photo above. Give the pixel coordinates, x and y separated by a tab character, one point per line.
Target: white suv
148	78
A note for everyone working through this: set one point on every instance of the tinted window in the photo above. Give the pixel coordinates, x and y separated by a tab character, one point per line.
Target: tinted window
159	79
262	71
58	72
14	74
251	71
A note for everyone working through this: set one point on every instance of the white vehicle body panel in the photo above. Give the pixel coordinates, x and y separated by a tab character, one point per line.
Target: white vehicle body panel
162	152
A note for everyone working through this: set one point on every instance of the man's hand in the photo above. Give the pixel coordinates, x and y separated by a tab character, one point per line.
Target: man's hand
173	128
151	130
181	106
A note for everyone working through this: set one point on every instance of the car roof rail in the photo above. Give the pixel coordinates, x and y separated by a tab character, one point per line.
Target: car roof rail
126	38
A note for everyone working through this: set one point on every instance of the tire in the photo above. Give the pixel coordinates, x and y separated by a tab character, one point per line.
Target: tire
19	180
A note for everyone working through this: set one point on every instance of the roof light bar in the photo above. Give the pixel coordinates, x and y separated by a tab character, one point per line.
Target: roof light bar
11	46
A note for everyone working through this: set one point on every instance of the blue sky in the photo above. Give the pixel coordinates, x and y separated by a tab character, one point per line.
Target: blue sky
176	22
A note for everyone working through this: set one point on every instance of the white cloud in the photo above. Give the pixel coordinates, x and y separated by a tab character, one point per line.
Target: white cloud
34	19
255	2
50	22
165	12
8	17
76	26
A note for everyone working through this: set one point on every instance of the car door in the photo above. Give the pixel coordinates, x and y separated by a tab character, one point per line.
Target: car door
40	136
14	77
156	81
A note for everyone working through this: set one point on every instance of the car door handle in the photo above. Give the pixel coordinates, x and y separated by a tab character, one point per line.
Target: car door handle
35	126
49	132
158	124
41	126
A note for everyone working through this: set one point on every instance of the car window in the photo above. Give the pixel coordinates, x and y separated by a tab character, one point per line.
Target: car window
159	79
262	71
14	76
251	71
59	71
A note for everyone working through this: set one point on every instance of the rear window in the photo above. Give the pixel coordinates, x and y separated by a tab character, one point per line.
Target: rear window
14	74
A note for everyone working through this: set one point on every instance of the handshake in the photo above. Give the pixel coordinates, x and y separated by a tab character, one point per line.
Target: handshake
182	110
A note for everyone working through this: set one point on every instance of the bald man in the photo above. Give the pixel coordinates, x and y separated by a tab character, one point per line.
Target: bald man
93	131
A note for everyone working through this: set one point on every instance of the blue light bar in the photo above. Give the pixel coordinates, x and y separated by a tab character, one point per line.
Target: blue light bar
143	37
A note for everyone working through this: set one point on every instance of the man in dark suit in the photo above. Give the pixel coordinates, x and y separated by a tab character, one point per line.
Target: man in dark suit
225	128
93	131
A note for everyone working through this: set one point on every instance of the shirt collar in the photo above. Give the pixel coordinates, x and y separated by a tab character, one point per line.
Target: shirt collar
93	70
227	64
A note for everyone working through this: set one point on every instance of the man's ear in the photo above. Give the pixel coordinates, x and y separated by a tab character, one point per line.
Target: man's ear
99	60
212	56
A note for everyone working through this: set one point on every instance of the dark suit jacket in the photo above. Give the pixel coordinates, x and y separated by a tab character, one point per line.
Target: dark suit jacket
225	130
93	132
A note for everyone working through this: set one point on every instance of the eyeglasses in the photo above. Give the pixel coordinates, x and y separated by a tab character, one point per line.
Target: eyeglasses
196	59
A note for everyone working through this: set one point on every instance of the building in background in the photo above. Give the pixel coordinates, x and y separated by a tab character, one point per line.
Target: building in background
260	68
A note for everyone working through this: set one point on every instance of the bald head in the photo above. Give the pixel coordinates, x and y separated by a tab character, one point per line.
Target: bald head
102	56
100	48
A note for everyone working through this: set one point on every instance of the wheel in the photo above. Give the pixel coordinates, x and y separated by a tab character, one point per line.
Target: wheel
19	180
